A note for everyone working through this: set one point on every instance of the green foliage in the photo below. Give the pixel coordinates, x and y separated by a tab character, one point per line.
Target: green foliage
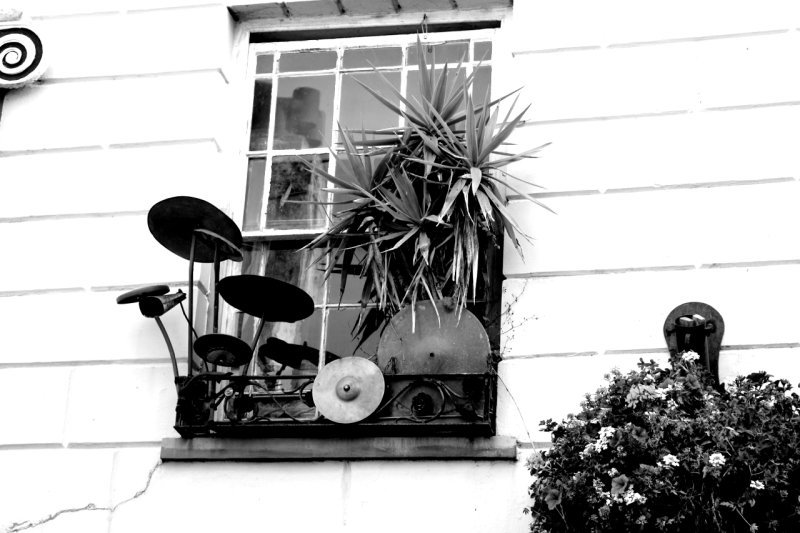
426	200
663	450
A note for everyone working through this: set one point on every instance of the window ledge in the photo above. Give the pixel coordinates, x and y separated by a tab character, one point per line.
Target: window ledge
331	449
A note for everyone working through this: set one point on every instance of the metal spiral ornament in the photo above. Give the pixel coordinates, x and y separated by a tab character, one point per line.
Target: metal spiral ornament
21	54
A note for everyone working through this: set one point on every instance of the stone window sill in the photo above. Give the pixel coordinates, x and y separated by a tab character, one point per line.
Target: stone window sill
337	449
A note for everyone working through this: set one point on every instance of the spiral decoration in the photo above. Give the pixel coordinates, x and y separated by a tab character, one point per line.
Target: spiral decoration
20	56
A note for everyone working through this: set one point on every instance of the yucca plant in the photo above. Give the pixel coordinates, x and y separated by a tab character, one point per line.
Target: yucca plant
427	201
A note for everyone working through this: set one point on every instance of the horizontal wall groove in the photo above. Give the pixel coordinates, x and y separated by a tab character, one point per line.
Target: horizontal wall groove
654	42
112	146
127	76
656	268
80	445
36	292
657	188
91	362
650	351
70	216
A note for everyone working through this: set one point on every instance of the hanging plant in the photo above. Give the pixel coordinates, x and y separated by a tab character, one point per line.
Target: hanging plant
426	201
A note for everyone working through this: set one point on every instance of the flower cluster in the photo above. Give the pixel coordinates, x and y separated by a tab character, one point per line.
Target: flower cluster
667	450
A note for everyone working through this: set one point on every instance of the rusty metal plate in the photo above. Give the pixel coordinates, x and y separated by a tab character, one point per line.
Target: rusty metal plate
175	220
348	390
439	343
268	298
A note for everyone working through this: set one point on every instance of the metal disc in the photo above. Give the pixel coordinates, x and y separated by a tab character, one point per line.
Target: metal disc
289	354
348	390
223	350
173	222
270	298
142	292
431	343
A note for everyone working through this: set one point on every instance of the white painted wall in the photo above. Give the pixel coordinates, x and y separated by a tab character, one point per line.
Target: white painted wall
672	170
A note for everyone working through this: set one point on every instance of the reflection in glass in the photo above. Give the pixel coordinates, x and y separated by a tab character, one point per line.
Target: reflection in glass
304	111
453	82
292	191
302	61
483	51
482	84
259	122
340	335
361	110
453	53
372	57
256	169
353	286
264	64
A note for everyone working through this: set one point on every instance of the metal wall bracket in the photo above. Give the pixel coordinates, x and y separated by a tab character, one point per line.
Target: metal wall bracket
698	327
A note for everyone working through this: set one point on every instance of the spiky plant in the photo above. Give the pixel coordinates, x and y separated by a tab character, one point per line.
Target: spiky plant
427	200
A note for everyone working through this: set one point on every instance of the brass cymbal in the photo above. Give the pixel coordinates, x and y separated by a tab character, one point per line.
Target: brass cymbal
348	390
223	350
440	343
268	298
175	220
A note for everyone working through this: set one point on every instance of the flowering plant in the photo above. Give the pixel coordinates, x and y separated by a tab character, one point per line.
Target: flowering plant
665	450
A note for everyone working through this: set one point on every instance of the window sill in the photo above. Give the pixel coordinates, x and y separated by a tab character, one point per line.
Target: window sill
337	449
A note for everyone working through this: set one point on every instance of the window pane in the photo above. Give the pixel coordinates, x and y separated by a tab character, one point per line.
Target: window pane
456	80
291	188
483	51
304	333
372	57
353	286
256	169
302	61
361	110
259	123
482	84
264	64
340	335
454	53
303	116
285	261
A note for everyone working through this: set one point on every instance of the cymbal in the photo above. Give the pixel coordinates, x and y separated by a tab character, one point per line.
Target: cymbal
348	390
291	355
173	222
142	292
438	344
269	298
223	350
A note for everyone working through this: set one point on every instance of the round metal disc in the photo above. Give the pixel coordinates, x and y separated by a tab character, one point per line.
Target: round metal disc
142	292
439	343
289	354
270	298
348	390
223	350
173	222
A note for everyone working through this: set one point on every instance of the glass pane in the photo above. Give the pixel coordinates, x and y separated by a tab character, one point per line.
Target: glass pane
361	110
304	111
455	81
483	51
285	261
353	286
292	187
453	52
482	84
259	123
301	348
256	170
372	57
264	64
302	61
340	335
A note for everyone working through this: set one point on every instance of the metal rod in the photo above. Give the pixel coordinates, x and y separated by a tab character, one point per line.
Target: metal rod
191	303
216	281
169	347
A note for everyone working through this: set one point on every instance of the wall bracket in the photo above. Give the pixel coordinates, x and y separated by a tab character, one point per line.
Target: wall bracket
698	327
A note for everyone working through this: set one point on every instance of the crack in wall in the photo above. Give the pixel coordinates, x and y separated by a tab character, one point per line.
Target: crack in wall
16	527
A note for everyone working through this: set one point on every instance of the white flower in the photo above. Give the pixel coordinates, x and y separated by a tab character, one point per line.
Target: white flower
631	497
716	459
758	485
613	472
690	356
669	461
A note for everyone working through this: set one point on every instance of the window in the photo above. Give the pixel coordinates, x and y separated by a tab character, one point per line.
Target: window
301	94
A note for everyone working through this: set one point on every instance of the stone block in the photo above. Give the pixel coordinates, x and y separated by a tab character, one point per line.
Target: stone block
37	408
